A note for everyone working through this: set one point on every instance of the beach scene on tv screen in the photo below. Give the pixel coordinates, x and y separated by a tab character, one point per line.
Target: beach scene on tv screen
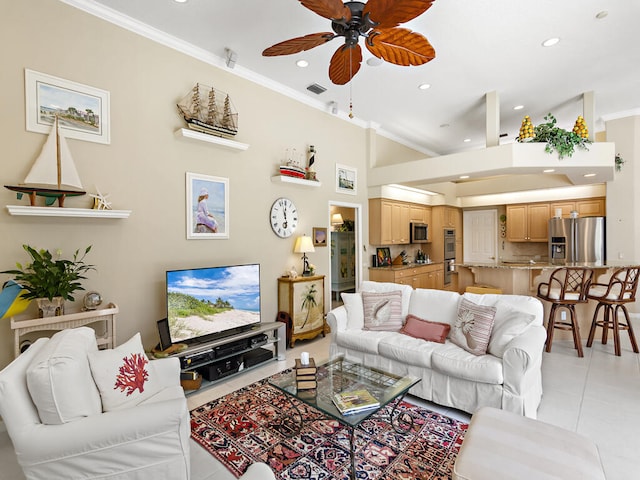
207	301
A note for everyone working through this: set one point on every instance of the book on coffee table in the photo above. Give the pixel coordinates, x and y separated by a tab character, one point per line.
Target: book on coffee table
355	401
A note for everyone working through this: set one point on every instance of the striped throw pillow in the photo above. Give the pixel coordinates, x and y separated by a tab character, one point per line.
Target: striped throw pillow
472	328
382	311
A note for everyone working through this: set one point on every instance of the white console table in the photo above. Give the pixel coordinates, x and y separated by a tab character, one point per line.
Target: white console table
105	337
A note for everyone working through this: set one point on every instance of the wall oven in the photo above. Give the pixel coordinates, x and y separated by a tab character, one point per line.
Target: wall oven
449	253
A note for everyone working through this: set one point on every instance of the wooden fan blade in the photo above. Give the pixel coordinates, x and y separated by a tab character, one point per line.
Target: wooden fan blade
391	13
299	44
345	63
332	9
400	46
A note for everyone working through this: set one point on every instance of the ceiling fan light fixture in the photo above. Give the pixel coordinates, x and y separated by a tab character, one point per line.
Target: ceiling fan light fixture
550	42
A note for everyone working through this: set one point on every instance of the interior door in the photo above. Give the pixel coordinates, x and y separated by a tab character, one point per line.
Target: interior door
480	236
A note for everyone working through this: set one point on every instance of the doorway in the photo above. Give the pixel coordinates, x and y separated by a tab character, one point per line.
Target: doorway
480	236
345	238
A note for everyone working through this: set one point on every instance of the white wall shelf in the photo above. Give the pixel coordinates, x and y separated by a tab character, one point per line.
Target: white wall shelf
204	137
27	210
295	180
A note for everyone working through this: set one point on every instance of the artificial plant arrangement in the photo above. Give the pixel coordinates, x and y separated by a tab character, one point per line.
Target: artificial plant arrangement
556	138
46	277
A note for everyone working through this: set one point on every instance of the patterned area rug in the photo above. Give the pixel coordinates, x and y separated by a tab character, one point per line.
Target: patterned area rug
247	427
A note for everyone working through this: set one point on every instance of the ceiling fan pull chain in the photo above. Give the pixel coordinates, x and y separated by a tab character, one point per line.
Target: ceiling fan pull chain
350	85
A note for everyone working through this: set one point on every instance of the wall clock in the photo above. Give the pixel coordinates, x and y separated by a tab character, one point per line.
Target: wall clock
283	217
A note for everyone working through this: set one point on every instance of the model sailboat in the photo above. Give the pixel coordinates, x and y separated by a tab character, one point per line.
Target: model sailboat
204	110
53	175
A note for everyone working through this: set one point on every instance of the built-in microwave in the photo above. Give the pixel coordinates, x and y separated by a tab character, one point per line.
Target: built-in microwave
419	232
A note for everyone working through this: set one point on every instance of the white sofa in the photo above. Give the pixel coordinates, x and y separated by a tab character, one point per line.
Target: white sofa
509	378
53	414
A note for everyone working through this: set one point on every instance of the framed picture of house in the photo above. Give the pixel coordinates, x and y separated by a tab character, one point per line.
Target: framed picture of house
346	179
82	111
207	207
319	237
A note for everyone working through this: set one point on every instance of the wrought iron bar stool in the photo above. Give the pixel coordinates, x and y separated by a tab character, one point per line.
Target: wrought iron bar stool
613	296
567	286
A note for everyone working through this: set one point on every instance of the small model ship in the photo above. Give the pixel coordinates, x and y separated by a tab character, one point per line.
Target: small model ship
204	110
53	174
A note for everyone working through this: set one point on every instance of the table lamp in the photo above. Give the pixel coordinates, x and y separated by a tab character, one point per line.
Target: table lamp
304	245
336	220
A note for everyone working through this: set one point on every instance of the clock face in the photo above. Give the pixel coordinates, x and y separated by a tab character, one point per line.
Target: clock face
283	217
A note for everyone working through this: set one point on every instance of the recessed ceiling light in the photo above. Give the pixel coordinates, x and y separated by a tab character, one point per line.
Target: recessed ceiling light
374	61
550	42
587	175
180	1
464	177
424	86
601	14
466	140
518	107
549	170
302	63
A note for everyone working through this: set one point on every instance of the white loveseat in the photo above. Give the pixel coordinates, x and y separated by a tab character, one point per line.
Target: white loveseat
508	376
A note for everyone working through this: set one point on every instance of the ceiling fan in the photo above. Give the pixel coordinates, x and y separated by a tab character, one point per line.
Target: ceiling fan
377	21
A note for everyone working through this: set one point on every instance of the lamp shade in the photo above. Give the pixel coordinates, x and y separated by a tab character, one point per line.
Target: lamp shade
303	245
336	219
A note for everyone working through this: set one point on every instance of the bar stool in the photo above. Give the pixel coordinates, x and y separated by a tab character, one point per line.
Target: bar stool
567	287
621	289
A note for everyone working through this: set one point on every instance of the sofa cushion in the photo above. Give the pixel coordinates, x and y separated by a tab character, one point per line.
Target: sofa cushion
407	291
451	360
509	323
382	311
361	340
436	305
430	331
472	328
59	378
124	375
355	312
407	350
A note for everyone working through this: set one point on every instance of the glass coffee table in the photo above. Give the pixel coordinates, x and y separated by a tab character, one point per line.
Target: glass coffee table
339	375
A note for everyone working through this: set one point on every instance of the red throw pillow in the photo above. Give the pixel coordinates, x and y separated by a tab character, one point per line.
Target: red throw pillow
426	330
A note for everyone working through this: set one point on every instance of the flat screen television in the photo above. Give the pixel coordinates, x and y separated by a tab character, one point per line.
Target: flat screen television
207	303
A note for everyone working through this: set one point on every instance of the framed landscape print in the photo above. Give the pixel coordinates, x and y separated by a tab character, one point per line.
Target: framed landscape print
207	207
346	179
82	111
319	237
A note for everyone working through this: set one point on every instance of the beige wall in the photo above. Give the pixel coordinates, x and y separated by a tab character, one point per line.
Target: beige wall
143	169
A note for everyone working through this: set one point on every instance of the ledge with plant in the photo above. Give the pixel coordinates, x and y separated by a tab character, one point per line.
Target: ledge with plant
556	138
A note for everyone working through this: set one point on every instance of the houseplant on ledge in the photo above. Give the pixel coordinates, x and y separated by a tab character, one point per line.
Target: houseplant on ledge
51	281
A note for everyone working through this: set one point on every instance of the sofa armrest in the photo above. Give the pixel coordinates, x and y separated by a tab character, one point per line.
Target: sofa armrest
522	355
258	471
337	319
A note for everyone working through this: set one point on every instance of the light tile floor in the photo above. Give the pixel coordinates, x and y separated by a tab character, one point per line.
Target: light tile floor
596	396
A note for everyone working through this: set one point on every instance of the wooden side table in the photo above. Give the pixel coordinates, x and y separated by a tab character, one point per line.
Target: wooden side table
303	299
106	338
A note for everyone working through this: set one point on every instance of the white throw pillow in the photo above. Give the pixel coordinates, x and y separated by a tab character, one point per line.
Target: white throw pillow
355	313
472	328
124	375
59	378
382	311
508	324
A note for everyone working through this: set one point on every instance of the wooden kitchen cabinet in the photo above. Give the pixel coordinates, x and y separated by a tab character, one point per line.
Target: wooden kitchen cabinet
388	222
419	213
587	207
419	276
528	222
444	217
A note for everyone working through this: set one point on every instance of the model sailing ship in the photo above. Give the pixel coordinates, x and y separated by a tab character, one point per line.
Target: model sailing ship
204	111
53	175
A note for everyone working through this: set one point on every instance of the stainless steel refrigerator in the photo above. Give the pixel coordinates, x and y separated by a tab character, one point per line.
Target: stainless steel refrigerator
577	240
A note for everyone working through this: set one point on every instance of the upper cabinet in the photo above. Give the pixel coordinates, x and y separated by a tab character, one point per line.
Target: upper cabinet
587	207
389	220
528	222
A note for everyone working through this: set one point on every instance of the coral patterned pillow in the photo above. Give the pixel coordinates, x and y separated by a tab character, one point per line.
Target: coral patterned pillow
124	375
472	328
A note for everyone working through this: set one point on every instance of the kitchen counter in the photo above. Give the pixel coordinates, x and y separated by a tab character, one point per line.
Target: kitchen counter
394	268
546	265
418	275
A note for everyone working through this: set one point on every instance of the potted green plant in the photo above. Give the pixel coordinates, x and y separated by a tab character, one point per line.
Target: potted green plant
51	281
556	138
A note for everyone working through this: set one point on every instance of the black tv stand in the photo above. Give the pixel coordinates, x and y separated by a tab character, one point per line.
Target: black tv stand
226	354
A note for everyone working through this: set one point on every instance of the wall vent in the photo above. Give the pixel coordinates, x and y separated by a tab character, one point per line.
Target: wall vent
317	89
